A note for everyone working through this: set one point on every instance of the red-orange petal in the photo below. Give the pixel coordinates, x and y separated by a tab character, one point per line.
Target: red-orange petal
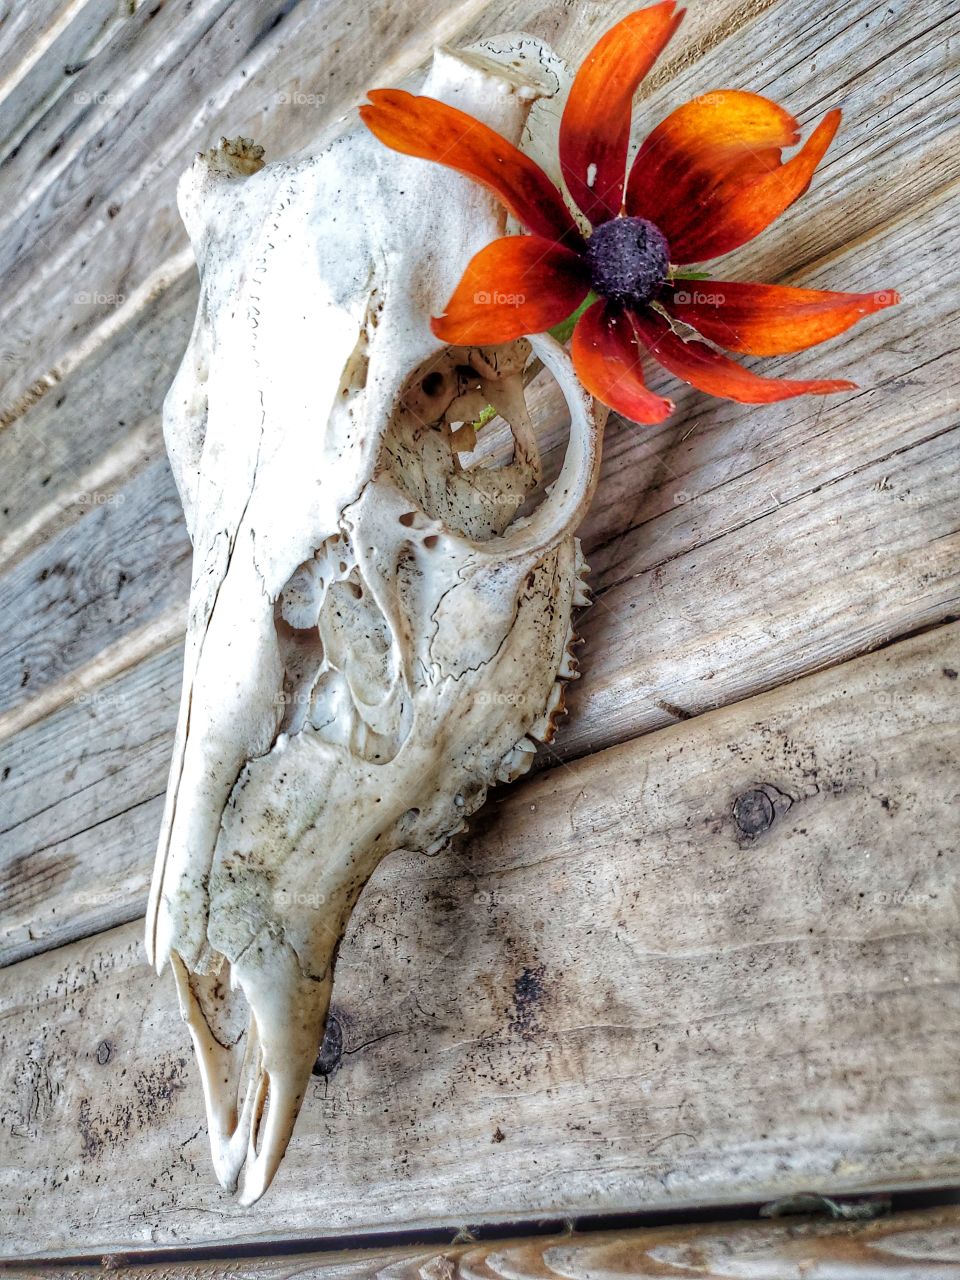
606	356
595	129
711	371
514	286
768	319
711	175
432	130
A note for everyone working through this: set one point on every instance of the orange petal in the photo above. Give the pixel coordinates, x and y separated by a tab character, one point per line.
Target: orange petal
768	319
715	373
595	129
607	360
711	176
518	285
431	130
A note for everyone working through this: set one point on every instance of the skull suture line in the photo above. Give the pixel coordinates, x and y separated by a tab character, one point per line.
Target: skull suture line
364	608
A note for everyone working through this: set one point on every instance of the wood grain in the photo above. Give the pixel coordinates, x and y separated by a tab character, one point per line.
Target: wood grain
297	61
82	796
55	445
108	181
117	254
722	469
26	32
65	604
698	966
903	1246
764	545
49	59
65	460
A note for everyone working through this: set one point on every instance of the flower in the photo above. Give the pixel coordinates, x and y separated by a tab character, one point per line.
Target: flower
709	178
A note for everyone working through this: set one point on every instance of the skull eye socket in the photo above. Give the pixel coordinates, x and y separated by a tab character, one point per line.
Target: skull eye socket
432	385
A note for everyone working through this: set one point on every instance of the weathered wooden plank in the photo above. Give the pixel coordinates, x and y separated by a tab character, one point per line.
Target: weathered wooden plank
75	450
49	60
107	184
758	546
718	962
730	458
28	29
150	39
803	539
927	154
64	604
81	795
903	1246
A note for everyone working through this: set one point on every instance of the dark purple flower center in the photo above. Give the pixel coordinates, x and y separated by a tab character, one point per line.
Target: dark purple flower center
628	259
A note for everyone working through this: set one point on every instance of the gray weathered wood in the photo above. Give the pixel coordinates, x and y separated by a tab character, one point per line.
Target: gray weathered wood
50	60
844	44
805	538
922	1245
75	450
108	183
696	966
735	463
67	602
81	794
26	29
299	62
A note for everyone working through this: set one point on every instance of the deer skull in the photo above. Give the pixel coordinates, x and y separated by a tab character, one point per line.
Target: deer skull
375	636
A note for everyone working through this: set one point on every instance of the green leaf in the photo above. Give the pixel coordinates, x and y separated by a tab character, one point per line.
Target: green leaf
564	330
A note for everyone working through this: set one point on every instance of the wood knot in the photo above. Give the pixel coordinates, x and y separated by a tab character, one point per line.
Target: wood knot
331	1050
753	813
104	1052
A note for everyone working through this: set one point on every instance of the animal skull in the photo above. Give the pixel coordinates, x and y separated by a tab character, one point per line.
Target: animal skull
374	636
